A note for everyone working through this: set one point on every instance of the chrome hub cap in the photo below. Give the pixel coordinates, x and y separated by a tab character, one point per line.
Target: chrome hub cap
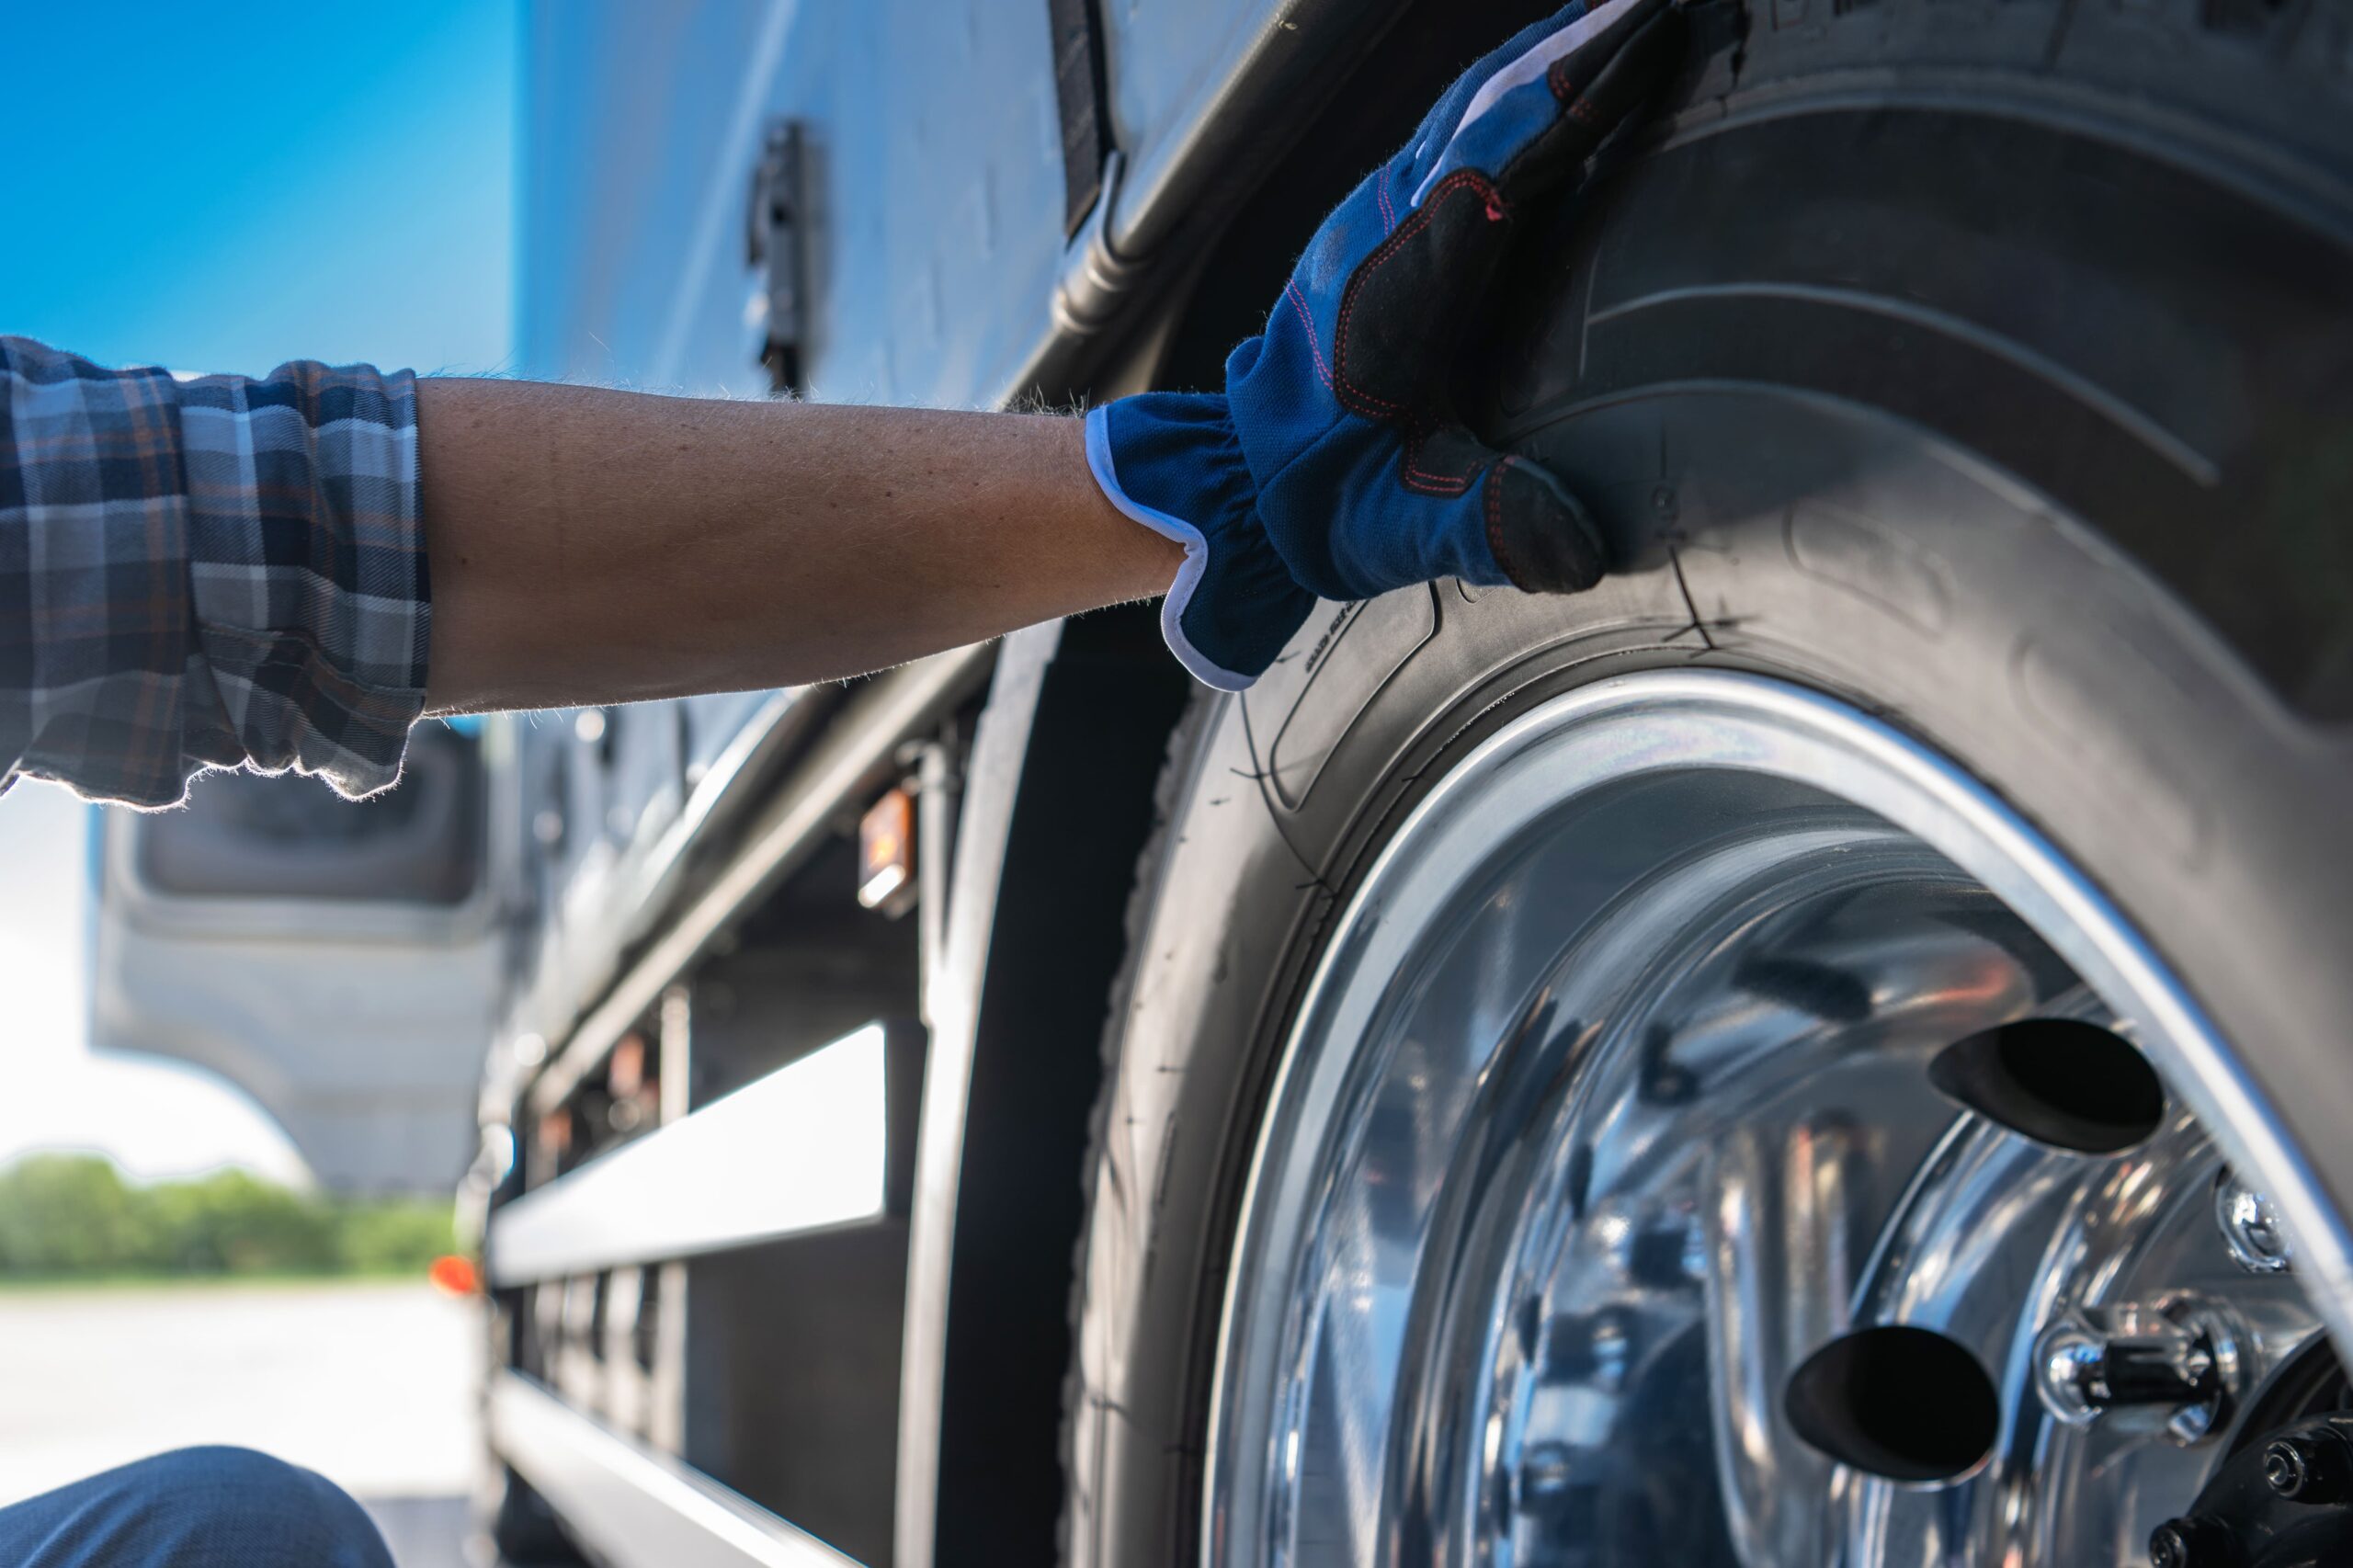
1720	1133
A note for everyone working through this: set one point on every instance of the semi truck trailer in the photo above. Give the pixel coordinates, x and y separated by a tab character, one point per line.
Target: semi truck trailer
1829	1047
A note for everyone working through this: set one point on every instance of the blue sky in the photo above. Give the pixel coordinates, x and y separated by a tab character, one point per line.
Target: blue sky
220	188
223	187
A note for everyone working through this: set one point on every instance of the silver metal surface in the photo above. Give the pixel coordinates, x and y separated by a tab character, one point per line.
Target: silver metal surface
2251	1227
1608	1107
860	744
805	1148
936	184
734	740
631	1507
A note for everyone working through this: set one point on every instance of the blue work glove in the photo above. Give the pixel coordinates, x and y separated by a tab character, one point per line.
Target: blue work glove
1334	465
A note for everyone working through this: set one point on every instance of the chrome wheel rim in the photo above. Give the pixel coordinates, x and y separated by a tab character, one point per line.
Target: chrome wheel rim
1609	1105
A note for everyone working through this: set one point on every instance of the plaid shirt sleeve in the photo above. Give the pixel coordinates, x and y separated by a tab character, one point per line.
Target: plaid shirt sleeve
216	572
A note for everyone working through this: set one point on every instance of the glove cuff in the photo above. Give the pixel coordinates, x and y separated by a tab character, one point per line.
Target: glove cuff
1172	462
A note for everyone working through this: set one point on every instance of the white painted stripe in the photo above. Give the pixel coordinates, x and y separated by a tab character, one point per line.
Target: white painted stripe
723	198
1531	66
1188	576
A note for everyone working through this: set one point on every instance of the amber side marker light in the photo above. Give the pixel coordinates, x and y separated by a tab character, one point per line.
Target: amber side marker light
453	1274
886	853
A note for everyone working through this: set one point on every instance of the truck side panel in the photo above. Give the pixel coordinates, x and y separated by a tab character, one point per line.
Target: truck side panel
934	230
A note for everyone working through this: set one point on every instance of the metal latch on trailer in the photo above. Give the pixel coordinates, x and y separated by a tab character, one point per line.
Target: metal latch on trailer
777	243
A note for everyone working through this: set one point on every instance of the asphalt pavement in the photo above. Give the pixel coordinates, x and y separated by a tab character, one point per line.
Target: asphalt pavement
370	1383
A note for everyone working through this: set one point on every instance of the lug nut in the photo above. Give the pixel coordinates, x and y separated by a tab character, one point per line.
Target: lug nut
2192	1543
2089	1373
2310	1467
2251	1227
1665	1250
1595	1352
1545	1474
2176	1362
1547	1494
2154	1370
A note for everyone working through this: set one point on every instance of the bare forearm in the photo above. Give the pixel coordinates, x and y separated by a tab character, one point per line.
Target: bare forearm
591	546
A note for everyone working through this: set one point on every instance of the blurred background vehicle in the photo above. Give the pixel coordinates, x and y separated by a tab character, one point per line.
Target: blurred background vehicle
1565	1059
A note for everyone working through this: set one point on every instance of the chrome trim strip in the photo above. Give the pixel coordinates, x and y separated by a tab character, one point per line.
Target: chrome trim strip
634	1507
806	1148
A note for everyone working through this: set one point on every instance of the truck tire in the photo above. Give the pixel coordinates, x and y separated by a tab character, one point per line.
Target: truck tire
1970	382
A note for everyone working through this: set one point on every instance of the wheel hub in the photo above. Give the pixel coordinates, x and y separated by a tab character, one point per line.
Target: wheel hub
1719	1132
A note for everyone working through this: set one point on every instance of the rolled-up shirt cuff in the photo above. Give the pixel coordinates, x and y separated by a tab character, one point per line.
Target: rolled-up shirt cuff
307	572
206	573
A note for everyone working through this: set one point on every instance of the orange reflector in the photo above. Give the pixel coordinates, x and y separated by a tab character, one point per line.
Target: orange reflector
886	853
455	1274
625	1069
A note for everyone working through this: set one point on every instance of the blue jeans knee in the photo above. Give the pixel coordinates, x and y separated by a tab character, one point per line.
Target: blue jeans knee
214	1508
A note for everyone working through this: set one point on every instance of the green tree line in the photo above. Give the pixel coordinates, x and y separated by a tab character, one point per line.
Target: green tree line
75	1216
